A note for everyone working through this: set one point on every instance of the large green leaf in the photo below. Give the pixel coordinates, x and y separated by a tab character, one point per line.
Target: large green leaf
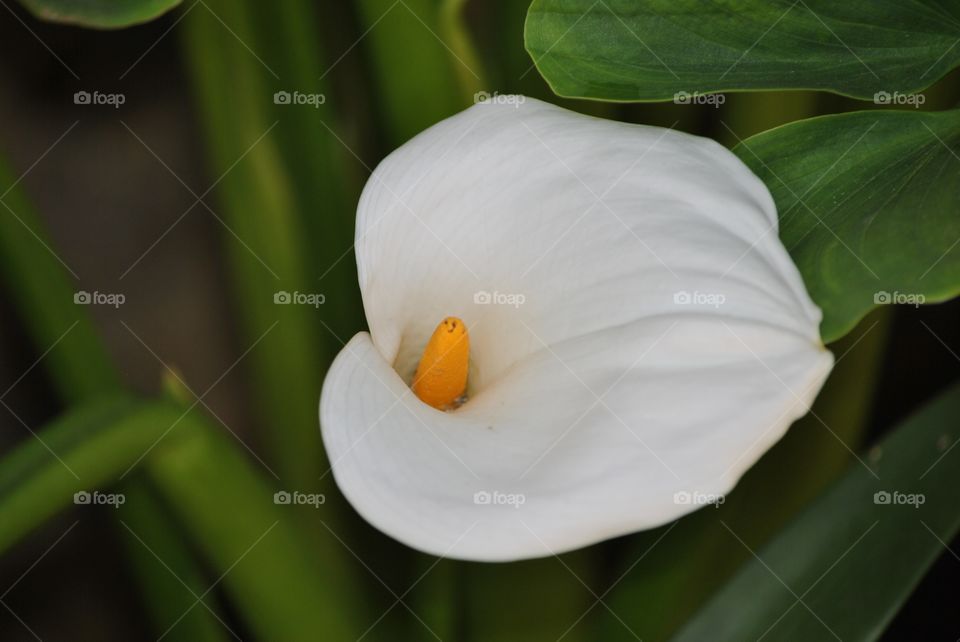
868	205
627	50
102	14
847	564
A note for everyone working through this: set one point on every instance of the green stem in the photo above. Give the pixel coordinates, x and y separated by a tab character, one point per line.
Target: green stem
286	587
419	85
262	236
437	598
467	65
159	554
528	596
315	156
44	294
746	114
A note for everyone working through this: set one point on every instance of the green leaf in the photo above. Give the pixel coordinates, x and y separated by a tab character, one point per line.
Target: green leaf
847	564
630	51
868	206
91	446
101	14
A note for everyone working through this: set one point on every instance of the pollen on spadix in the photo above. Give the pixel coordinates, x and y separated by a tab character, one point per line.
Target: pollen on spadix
441	377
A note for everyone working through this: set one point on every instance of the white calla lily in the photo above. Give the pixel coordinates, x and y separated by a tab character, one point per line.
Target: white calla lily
639	337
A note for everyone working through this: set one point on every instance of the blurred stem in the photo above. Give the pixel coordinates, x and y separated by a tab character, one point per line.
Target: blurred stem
160	554
455	33
43	293
81	371
746	114
418	85
263	235
533	600
286	587
437	598
315	156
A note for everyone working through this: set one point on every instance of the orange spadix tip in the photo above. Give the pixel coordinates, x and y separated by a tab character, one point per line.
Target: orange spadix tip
441	377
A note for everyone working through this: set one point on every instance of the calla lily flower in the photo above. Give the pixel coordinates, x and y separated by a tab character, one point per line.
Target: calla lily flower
638	336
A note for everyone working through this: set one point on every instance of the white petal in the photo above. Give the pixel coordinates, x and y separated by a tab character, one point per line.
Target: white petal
603	394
